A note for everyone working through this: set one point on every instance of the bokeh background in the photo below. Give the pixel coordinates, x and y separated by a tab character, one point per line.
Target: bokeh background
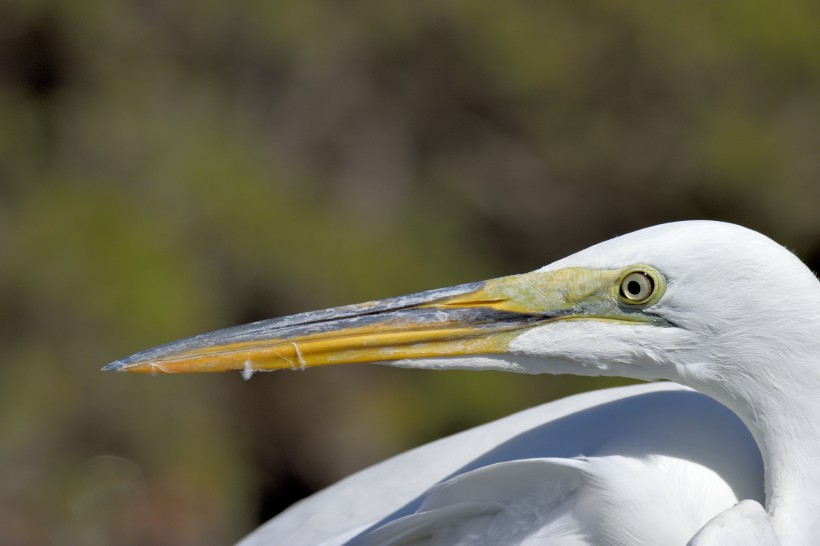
168	168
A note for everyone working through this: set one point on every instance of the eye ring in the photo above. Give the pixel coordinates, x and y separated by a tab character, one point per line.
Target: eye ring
637	287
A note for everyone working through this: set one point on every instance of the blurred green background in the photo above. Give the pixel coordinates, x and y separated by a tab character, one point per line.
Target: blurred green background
168	168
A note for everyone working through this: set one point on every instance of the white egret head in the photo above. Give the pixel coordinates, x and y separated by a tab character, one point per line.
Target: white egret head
728	304
703	303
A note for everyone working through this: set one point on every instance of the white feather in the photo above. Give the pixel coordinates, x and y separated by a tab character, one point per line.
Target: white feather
589	449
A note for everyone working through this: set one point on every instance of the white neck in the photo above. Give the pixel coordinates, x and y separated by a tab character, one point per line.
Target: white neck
783	414
788	434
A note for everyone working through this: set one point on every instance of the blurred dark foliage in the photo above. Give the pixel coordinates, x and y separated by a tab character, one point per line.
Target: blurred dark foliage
172	167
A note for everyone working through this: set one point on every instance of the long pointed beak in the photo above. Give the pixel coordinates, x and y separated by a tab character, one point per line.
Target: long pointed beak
470	319
476	318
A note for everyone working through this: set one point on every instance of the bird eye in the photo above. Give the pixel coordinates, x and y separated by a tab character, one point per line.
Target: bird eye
637	287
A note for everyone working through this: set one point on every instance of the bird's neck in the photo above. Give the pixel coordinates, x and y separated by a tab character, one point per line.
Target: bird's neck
784	418
790	445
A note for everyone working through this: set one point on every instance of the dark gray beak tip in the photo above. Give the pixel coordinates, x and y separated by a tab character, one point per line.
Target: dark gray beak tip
116	366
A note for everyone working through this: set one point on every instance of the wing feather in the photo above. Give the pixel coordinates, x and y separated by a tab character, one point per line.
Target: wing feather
636	422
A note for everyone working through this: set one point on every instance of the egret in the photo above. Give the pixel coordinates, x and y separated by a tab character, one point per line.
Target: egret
725	314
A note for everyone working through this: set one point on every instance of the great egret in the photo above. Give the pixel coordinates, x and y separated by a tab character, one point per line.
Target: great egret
712	306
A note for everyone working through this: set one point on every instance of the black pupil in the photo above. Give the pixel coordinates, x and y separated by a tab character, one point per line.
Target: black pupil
634	287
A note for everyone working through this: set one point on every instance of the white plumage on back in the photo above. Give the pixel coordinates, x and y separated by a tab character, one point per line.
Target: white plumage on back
571	471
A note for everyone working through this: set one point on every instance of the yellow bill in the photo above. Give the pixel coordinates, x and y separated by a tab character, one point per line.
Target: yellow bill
470	319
